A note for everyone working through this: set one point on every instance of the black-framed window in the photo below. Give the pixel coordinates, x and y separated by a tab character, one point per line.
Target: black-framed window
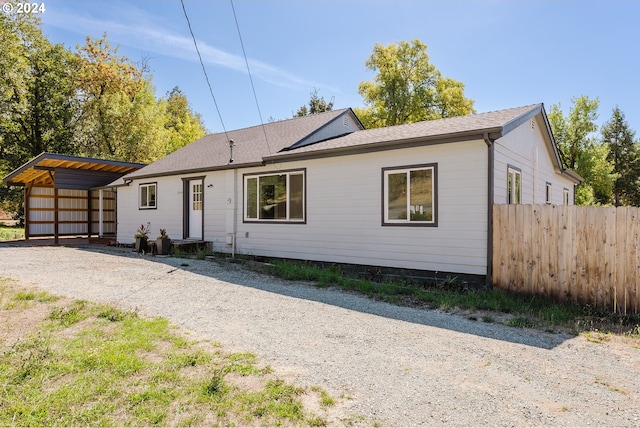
548	194
410	195
147	196
276	197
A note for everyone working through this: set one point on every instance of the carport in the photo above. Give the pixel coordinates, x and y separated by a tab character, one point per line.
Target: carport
69	195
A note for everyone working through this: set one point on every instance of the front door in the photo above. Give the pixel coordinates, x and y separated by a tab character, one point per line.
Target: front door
195	209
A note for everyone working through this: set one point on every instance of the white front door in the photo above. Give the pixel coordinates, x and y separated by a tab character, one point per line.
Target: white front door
195	209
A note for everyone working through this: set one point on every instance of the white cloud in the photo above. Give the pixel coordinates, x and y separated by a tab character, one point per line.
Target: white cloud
146	32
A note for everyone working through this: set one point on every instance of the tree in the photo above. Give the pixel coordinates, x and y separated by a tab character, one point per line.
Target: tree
121	118
182	124
38	104
316	105
581	152
408	88
623	155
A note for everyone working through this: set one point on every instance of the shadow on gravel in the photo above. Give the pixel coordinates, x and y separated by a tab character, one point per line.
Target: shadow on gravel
228	272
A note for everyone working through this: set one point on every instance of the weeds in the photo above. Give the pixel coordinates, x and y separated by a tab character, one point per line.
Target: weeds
117	368
451	294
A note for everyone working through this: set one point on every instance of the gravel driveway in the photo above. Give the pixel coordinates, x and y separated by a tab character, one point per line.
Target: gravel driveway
399	366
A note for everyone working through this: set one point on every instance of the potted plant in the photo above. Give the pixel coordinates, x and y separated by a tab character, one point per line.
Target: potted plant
163	242
142	235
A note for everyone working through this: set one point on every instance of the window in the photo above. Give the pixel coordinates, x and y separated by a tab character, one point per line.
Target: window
514	185
147	196
565	194
548	193
275	197
410	195
196	196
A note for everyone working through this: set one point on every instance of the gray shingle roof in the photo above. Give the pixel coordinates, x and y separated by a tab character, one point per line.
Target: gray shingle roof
496	122
251	146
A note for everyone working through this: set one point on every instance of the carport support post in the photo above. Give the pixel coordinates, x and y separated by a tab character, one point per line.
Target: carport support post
100	213
89	213
55	214
27	193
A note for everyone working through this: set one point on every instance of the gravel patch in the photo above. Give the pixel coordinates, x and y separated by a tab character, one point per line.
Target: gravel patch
387	364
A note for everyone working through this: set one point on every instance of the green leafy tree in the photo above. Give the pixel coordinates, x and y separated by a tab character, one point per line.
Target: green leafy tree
38	103
121	118
623	155
581	152
408	88
182	124
317	104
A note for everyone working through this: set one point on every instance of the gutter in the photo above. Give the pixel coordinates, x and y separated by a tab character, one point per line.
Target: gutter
316	153
490	198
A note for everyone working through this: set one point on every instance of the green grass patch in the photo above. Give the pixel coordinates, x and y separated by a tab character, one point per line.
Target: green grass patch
96	365
11	233
452	295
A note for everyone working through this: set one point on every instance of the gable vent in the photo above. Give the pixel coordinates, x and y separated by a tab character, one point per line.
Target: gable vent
533	123
345	121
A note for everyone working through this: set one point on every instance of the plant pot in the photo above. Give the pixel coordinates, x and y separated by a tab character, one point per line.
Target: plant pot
163	245
141	245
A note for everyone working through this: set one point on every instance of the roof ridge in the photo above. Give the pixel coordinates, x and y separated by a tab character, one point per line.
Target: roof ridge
338	111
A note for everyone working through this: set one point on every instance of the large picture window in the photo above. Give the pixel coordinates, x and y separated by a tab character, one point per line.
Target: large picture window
410	195
275	197
147	196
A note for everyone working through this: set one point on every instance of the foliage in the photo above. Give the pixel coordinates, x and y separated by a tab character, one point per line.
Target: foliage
37	98
452	294
182	124
624	156
581	152
408	88
116	368
143	231
163	234
317	105
120	117
9	233
90	102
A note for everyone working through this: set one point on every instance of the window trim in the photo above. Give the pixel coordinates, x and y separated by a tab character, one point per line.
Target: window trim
513	170
288	172
548	195
566	195
148	185
434	185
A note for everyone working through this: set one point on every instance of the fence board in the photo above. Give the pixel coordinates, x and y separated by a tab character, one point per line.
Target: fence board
586	254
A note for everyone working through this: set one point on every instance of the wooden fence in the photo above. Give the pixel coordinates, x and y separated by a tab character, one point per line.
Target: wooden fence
586	254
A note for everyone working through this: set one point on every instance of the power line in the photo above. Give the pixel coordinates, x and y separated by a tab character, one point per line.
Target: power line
203	69
255	97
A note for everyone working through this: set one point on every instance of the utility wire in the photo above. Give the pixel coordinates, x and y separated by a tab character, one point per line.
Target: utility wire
203	69
255	97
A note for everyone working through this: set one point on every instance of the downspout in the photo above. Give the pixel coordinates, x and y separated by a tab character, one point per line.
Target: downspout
490	201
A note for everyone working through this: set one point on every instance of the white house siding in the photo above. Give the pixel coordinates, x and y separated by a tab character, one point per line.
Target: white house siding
525	148
344	213
167	215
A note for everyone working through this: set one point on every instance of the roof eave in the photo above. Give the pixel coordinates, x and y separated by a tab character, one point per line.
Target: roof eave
192	171
494	133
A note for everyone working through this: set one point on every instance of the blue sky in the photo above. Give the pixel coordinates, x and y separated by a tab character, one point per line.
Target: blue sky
508	53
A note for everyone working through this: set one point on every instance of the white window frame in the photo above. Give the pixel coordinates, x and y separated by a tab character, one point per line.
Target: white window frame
513	173
288	219
565	194
146	188
386	221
